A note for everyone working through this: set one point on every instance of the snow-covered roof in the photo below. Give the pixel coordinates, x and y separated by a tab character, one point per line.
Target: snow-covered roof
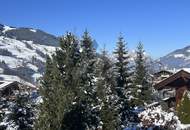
10	78
7	83
4	84
165	83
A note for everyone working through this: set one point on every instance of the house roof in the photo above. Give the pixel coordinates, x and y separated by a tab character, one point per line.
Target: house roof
5	84
176	80
163	71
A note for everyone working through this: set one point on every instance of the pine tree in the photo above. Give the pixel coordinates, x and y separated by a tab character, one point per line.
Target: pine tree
141	90
77	117
183	109
69	87
88	59
46	92
88	80
108	117
54	98
59	86
123	80
122	67
106	93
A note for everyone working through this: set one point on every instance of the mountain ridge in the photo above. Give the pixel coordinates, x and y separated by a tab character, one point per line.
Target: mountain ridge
37	44
177	59
29	34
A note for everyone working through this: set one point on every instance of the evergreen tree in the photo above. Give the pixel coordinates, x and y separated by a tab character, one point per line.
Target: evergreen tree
123	80
88	80
59	86
78	117
46	92
106	93
142	88
54	99
108	117
122	67
88	59
183	109
68	88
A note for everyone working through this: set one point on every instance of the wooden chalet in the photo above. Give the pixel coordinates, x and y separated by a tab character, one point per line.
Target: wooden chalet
7	88
160	75
177	83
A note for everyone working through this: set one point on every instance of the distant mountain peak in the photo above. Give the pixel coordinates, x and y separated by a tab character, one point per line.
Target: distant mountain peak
29	34
177	59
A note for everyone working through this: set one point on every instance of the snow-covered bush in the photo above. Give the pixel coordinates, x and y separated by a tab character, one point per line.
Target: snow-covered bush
155	116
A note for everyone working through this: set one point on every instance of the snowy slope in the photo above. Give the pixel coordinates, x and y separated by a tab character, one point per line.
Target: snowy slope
23	52
23	58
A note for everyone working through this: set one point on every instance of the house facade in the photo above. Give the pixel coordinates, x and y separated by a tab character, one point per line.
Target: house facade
173	87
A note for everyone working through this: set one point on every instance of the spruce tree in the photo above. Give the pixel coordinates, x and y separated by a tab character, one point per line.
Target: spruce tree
59	86
68	87
46	94
88	80
183	109
55	99
77	117
122	67
106	92
108	117
68	58
123	80
141	90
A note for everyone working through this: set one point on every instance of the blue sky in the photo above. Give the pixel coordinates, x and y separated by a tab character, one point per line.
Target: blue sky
162	25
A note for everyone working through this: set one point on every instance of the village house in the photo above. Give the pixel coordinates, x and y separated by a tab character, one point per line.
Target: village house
161	75
8	87
172	88
9	91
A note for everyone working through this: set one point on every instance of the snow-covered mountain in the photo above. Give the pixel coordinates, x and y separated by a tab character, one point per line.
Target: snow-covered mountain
29	34
177	59
23	52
